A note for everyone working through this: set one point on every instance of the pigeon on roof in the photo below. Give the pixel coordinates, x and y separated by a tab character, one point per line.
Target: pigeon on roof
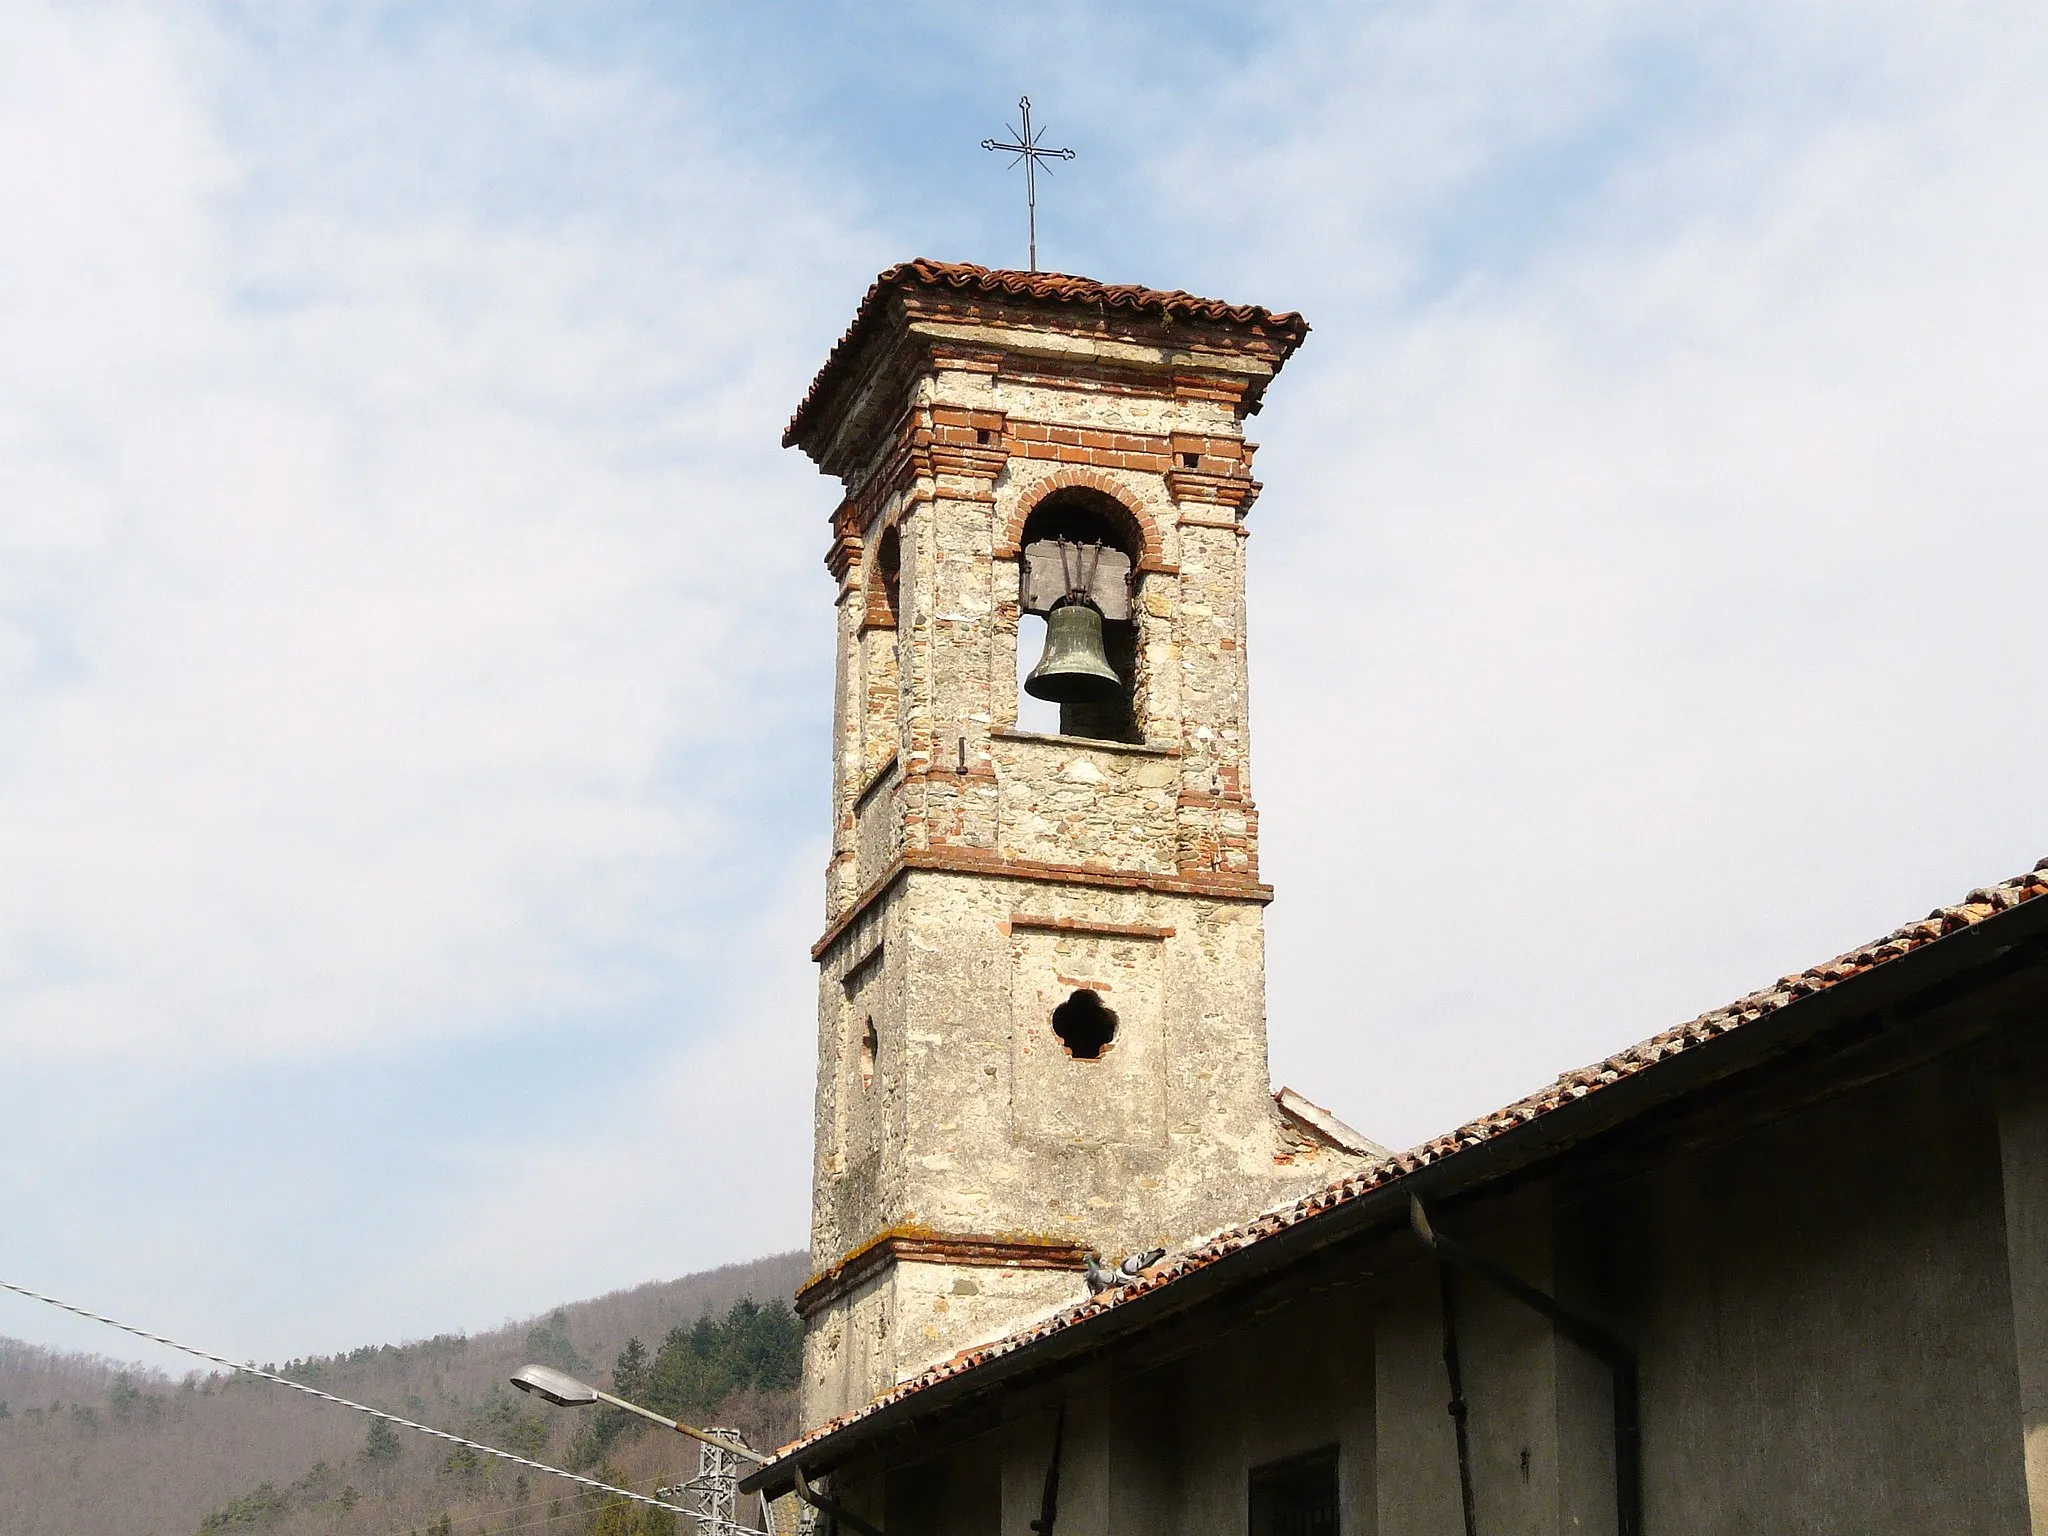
1138	1263
1102	1278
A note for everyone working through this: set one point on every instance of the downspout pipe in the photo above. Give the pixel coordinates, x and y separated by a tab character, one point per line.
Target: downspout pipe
1593	1337
831	1508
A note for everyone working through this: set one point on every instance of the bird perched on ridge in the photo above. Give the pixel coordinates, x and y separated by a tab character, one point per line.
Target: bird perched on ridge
1102	1278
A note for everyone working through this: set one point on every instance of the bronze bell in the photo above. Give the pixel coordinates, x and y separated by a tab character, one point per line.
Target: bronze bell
1074	668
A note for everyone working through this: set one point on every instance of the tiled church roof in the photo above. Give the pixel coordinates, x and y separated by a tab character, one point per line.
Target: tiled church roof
1980	904
1056	287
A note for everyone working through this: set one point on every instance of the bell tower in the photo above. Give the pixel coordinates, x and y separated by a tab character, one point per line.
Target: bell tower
1041	1021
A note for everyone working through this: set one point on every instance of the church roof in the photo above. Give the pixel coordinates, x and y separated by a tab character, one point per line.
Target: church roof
1287	329
1664	1050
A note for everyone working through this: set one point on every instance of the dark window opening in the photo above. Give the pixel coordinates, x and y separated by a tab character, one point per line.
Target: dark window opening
885	592
1085	1024
983	436
1190	461
870	1045
1296	1497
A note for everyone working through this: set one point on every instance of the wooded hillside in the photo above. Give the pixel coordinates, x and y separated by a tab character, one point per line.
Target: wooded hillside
89	1445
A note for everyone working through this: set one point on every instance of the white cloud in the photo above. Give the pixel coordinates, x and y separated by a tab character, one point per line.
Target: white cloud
378	587
1654	593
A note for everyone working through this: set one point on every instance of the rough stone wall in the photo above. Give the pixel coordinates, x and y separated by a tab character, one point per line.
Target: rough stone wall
1102	805
938	691
981	875
861	1116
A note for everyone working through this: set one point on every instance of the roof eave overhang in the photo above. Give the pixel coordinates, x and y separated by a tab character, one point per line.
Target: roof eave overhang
875	341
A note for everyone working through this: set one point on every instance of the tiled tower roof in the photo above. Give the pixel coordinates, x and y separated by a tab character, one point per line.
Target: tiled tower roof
1286	329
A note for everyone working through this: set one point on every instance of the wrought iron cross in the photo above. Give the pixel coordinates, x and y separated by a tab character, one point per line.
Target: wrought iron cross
1028	150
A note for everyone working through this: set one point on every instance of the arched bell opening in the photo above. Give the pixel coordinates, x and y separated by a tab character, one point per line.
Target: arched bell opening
886	594
1077	652
880	725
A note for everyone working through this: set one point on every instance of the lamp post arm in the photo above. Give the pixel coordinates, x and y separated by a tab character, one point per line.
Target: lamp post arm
682	1429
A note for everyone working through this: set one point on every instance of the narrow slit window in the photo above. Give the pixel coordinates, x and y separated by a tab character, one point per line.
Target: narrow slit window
870	1046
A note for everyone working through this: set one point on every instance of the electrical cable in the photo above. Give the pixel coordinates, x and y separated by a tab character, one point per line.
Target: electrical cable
329	1397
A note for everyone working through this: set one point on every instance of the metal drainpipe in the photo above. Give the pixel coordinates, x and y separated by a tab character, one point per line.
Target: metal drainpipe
1049	1498
1454	1374
831	1508
1590	1336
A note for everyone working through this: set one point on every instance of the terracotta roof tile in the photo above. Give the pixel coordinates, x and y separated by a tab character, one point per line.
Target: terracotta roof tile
1057	287
1982	903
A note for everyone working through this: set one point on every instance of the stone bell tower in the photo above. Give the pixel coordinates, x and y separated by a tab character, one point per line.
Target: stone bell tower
1042	977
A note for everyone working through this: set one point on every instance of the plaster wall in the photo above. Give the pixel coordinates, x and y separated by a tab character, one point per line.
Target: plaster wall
1170	1133
1826	1324
1821	1308
861	1344
1168	1451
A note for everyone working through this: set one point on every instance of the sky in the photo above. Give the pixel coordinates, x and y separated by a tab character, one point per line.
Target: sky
415	647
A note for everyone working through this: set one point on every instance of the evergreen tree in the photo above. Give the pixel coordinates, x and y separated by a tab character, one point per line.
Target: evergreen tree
548	1342
629	1372
381	1448
753	1348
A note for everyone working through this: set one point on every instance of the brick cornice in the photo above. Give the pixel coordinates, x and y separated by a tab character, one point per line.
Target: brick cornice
918	1245
1237	491
1031	924
1151	554
982	862
964	443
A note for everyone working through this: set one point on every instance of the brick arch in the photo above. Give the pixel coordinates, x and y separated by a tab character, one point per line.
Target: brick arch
1151	554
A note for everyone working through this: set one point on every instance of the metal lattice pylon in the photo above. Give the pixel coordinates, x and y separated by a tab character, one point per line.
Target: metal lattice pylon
715	1491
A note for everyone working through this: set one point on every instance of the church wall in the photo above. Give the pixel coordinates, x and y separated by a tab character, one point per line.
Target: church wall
889	1326
962	1496
1820	1314
1101	804
849	1347
1824	1316
1169	1134
1168	1451
1283	1387
1526	1422
878	824
940	1308
1820	1307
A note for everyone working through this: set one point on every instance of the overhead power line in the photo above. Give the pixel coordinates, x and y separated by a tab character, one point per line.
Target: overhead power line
329	1397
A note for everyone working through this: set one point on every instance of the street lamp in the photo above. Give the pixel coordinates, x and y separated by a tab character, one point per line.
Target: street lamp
565	1391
